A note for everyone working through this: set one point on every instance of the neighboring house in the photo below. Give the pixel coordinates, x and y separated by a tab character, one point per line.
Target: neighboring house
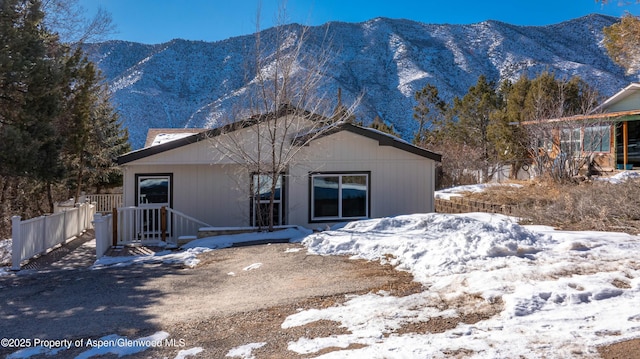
610	133
346	173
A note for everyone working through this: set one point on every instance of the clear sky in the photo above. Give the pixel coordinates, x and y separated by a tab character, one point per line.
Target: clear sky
157	21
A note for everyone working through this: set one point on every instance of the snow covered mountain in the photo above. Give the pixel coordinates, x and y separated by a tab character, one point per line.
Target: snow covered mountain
193	84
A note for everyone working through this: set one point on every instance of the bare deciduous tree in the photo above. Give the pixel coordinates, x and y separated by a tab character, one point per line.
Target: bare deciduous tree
562	139
283	110
67	18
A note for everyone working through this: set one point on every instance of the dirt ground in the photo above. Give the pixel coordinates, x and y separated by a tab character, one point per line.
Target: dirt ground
226	301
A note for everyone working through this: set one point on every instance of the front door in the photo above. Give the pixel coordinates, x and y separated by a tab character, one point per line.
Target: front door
153	193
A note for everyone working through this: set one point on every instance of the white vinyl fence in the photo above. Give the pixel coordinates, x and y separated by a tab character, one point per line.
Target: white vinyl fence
105	203
38	235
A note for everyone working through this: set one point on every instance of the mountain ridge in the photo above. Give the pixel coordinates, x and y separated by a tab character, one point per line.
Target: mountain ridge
185	83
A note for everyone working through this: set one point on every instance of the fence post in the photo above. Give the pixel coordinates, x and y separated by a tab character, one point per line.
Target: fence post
79	224
44	234
99	225
114	219
163	223
16	243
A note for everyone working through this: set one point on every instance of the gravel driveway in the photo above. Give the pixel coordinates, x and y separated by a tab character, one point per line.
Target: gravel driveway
229	290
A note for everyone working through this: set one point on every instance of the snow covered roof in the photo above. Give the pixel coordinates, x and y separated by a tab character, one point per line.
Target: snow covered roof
158	136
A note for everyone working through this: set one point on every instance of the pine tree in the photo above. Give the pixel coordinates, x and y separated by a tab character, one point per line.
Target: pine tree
108	140
429	112
31	78
473	113
505	132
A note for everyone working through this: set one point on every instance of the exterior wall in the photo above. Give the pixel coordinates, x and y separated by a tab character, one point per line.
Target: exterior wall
631	102
400	182
606	160
214	194
218	194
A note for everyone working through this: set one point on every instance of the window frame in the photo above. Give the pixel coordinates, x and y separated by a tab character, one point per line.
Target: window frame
604	143
340	217
142	176
256	199
571	141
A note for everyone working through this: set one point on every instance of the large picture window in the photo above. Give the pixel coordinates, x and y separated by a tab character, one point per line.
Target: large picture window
597	139
339	196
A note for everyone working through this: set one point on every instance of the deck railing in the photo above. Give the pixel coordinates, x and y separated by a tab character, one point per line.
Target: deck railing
41	234
145	225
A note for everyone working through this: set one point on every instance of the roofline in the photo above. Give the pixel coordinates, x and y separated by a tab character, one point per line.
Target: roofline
154	150
383	139
619	95
607	115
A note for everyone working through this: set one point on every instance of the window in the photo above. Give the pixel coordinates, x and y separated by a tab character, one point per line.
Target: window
597	139
339	196
261	189
570	141
154	190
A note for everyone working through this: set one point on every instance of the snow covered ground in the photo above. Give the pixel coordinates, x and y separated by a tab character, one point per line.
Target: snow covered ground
458	191
564	293
561	293
620	177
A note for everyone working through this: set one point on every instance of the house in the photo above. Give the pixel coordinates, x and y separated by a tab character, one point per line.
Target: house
610	133
337	172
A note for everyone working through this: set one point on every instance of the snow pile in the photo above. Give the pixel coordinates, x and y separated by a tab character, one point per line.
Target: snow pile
557	294
429	244
620	177
447	193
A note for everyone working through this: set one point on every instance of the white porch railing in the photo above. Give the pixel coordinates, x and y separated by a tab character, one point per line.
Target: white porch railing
38	235
144	225
105	203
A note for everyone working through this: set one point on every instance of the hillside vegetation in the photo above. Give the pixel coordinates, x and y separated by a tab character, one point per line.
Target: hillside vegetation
200	84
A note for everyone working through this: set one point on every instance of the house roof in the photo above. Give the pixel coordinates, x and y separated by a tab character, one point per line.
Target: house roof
382	138
600	112
610	116
630	90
